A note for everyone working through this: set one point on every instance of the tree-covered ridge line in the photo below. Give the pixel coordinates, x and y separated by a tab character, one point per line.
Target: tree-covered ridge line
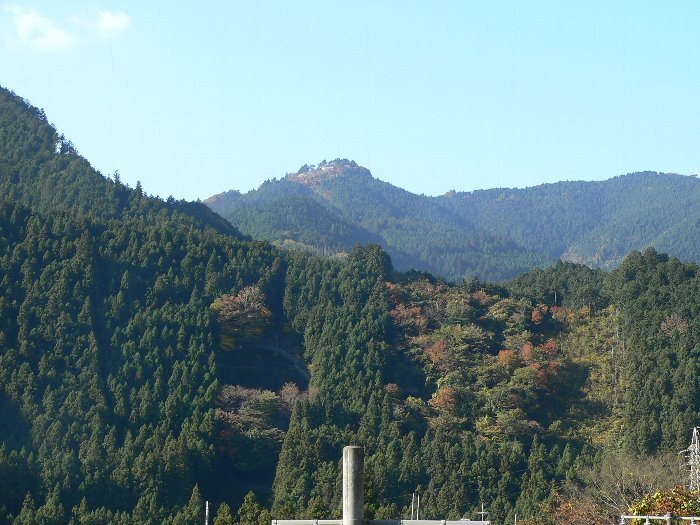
595	222
459	235
40	168
138	368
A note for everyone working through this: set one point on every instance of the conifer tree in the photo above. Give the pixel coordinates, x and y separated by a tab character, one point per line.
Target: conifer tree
223	515
193	512
249	511
28	513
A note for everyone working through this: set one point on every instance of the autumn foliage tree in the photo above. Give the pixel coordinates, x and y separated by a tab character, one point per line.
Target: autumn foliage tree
677	501
241	317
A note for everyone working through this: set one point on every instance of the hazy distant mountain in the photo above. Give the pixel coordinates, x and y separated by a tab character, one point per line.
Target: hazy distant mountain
596	223
493	234
417	231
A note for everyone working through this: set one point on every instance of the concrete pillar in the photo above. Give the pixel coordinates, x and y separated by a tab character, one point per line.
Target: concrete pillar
353	485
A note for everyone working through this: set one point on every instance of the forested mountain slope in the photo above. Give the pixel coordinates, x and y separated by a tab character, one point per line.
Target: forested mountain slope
107	340
151	358
460	235
302	220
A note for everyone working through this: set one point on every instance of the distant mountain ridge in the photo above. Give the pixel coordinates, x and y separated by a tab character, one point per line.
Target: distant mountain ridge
492	234
417	231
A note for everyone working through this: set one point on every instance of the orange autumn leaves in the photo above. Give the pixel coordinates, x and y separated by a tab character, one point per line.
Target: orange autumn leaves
542	358
463	333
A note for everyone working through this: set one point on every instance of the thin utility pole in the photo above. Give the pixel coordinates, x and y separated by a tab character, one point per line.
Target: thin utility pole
206	513
418	509
413	497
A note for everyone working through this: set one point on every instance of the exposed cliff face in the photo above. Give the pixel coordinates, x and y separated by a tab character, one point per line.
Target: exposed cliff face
312	176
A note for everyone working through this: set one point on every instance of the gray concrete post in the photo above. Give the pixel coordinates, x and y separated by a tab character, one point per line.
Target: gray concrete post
353	485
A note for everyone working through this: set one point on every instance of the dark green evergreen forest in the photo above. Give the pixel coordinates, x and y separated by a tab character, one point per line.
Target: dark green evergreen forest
153	357
490	234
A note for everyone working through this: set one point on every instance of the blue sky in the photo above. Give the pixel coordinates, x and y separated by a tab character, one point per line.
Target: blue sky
194	98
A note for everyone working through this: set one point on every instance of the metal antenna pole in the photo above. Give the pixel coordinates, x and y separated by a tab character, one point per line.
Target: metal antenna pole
692	457
695	461
418	509
413	497
206	513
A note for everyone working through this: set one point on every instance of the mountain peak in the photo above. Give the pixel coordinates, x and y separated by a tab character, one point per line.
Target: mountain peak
313	175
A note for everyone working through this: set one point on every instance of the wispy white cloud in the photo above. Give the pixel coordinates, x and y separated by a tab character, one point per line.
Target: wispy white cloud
104	24
33	30
112	23
39	32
